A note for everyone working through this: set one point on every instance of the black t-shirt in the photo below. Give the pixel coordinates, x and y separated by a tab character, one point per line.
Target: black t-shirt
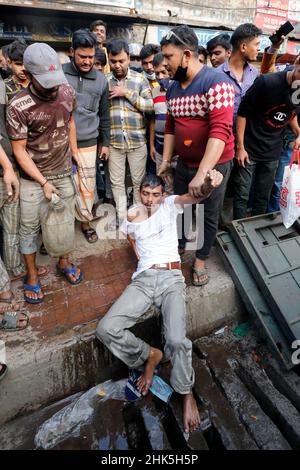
268	108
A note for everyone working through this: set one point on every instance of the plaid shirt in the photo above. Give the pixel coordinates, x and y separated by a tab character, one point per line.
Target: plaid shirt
128	125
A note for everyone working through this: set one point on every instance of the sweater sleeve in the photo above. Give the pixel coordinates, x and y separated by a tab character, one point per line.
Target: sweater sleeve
254	96
104	114
220	105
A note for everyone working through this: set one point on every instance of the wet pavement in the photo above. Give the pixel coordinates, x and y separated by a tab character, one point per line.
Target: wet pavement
245	399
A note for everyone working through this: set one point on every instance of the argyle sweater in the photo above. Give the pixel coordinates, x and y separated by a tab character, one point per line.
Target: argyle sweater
201	111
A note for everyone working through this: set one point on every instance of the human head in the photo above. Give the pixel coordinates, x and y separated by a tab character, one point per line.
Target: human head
152	190
43	69
15	60
134	53
118	56
219	49
100	59
83	49
202	53
63	57
147	53
245	41
98	27
160	66
180	49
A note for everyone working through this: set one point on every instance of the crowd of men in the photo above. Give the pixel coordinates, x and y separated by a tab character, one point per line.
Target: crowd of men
187	132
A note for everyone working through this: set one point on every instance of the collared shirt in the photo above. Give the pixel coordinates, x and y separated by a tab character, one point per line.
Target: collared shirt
12	88
250	74
127	120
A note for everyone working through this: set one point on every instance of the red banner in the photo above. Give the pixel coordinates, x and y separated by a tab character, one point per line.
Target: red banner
270	14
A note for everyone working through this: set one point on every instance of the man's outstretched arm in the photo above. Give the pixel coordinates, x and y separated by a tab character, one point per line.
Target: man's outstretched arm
212	180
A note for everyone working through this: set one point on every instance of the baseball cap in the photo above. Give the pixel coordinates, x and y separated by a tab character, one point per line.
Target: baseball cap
43	63
135	49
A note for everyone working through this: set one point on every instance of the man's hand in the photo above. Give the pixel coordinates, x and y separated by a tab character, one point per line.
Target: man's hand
49	189
242	157
12	184
152	153
296	143
117	91
276	45
103	153
164	168
212	180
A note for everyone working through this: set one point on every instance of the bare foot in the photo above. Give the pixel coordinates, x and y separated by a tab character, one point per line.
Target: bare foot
191	417
33	281
145	380
200	274
8	303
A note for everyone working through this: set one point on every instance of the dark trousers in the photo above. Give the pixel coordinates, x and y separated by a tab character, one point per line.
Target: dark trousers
183	176
264	174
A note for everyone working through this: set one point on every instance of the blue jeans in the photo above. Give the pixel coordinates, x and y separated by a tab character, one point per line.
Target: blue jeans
285	157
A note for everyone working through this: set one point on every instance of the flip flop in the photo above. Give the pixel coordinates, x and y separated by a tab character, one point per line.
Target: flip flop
10	321
88	233
3	370
65	271
131	391
199	273
34	289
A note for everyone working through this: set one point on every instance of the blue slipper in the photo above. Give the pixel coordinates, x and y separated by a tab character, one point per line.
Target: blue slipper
131	391
34	289
65	271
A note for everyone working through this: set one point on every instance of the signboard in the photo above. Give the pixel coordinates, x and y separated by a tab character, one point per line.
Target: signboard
110	3
294	10
205	35
270	14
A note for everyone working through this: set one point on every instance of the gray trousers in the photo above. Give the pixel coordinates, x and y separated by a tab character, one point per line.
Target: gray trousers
10	221
166	290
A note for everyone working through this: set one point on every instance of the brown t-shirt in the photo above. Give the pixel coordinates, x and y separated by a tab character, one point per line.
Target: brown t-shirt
46	127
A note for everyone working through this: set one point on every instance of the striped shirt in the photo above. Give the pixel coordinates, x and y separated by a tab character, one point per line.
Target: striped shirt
128	125
160	111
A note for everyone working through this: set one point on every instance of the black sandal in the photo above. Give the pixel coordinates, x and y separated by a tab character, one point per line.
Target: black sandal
89	234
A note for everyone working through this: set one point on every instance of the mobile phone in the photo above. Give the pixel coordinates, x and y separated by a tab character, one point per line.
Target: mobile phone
284	30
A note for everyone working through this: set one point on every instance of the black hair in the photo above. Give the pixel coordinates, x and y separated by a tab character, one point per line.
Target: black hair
202	50
157	59
152	181
149	49
244	33
115	46
187	35
222	40
5	50
96	23
83	38
16	51
101	56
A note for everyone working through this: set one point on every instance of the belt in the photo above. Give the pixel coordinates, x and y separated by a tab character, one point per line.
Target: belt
172	265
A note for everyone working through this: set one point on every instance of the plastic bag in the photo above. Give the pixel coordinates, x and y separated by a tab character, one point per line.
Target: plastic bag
290	192
68	421
58	226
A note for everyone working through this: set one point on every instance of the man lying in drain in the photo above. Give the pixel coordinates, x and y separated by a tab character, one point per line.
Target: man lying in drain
152	231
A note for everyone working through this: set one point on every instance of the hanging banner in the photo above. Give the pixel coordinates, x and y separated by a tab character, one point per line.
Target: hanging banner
270	14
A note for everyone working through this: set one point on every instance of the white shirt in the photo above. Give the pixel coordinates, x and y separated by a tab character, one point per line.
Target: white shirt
156	237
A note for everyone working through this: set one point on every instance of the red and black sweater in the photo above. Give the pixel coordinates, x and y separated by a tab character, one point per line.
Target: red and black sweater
203	110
